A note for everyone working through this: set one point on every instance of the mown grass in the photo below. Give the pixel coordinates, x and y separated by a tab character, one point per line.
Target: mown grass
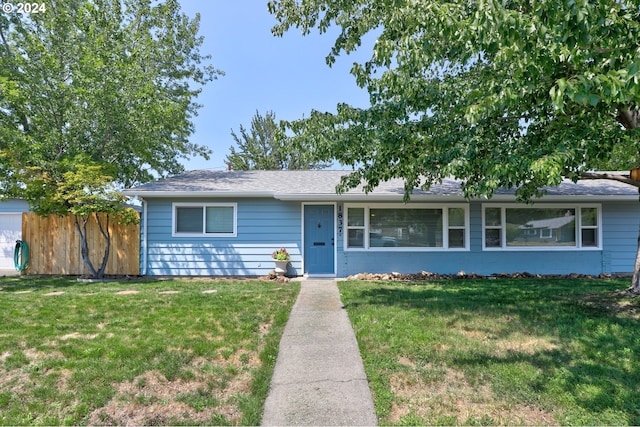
499	352
86	354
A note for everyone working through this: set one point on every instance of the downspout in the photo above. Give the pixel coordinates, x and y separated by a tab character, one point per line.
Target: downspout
144	249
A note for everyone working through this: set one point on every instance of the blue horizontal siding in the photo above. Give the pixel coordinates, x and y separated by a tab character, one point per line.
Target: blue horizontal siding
486	263
621	225
620	222
264	225
469	262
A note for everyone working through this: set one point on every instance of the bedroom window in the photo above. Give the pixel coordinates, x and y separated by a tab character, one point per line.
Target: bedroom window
201	220
406	228
548	227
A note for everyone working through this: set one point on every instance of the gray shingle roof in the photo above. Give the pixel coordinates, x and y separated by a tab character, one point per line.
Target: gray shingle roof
321	185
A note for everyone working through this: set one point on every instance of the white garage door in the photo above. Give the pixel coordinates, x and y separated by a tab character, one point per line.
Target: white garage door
10	231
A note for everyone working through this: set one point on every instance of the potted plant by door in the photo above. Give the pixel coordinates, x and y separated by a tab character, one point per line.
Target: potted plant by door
281	258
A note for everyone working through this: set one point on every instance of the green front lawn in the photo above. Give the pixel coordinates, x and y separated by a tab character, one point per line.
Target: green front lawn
170	352
483	352
499	352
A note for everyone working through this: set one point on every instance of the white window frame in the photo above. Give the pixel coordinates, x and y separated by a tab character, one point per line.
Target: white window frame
578	224
362	228
204	206
546	233
445	227
464	227
597	227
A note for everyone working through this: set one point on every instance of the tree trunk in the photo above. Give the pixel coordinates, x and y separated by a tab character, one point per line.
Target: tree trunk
84	246
107	247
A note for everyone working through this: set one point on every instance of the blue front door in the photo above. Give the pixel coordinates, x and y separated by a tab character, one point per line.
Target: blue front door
319	239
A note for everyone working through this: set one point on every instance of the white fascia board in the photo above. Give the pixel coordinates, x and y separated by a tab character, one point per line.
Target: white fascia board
456	198
365	198
185	194
324	197
565	198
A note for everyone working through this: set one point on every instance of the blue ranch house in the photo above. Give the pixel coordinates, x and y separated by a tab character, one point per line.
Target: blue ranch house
228	223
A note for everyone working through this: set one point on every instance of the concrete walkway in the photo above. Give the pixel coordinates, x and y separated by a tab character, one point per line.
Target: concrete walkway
319	378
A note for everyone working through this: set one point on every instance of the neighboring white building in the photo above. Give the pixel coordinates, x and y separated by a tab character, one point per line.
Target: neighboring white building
10	230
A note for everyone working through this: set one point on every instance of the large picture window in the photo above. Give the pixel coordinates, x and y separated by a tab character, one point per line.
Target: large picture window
548	227
210	219
406	227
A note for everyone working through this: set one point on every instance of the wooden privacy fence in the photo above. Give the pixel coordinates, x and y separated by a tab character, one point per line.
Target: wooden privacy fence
54	246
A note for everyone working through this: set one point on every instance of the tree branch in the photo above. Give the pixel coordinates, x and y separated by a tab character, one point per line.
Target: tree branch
630	119
613	177
4	42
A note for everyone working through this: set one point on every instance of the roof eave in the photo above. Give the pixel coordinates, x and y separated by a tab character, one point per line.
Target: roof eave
364	197
186	194
371	197
565	197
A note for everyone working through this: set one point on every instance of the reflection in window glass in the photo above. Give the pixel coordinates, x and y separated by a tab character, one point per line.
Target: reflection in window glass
589	217
456	217
589	237
355	217
456	238
577	227
189	219
405	227
355	238
493	238
492	217
541	227
219	219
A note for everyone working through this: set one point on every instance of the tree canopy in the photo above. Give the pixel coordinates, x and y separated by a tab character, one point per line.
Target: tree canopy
112	80
494	93
96	95
265	147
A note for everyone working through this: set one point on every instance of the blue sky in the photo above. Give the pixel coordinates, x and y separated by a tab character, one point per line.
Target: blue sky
287	75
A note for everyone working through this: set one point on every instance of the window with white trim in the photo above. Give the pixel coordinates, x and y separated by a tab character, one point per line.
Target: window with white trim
457	227
406	227
355	228
589	227
204	219
541	227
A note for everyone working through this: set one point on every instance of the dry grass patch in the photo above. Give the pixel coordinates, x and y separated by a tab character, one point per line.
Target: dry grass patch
128	292
151	399
452	397
78	336
526	345
98	358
